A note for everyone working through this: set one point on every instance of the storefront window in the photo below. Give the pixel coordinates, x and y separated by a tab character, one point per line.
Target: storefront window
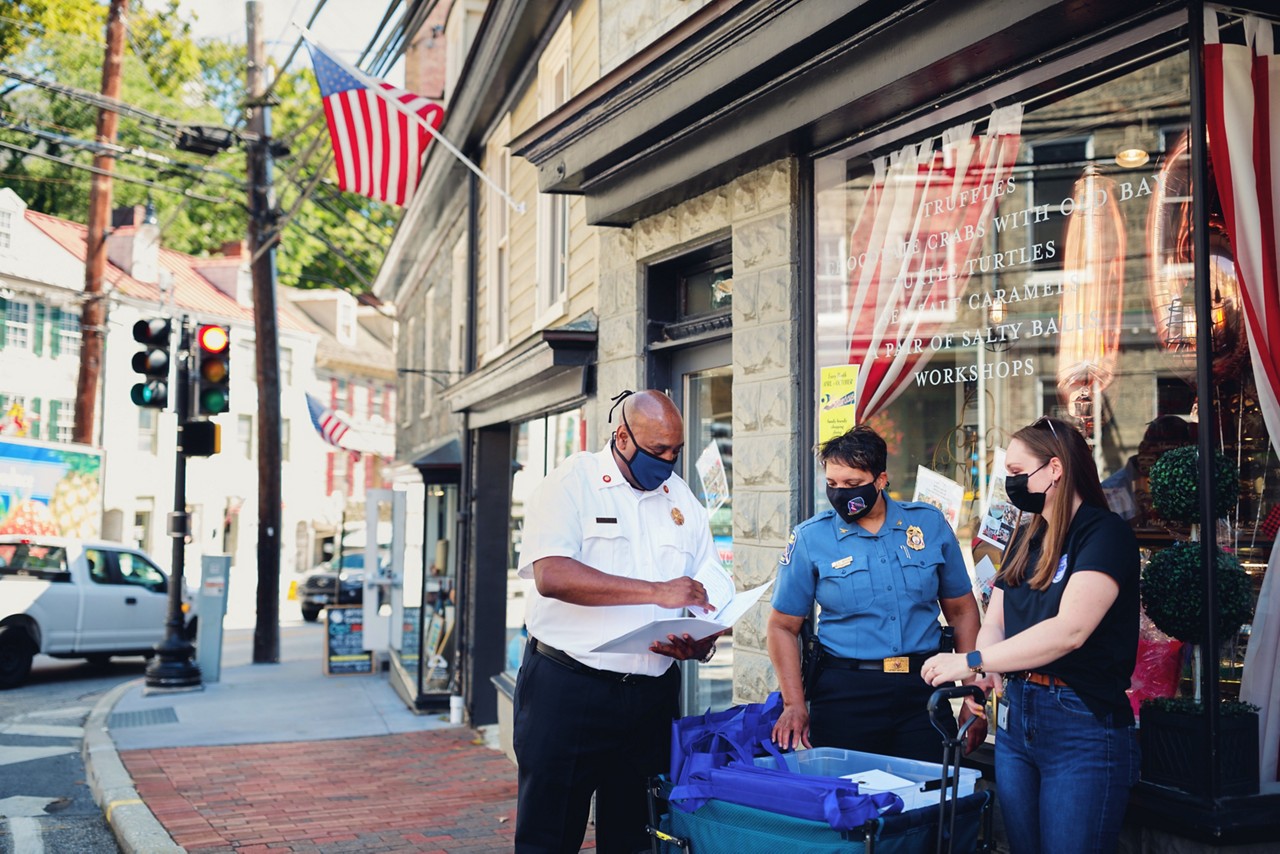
1037	261
430	584
541	444
708	459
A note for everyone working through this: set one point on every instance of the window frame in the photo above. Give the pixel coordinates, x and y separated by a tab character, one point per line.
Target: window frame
555	87
498	242
26	328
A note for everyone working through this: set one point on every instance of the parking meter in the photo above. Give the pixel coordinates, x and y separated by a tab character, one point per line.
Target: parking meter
211	607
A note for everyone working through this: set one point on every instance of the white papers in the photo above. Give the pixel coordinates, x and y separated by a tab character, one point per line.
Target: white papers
999	516
698	628
715	483
985	573
940	491
874	780
718	583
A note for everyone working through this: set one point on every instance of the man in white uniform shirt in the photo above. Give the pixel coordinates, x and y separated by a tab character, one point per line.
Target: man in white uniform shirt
612	540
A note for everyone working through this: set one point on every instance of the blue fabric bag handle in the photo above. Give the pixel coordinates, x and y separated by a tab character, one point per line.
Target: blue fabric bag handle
829	799
714	739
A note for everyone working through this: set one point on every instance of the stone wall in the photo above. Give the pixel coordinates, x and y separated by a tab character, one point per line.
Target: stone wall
759	210
627	26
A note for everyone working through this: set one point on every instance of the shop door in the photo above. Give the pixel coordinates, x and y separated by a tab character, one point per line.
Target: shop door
701	384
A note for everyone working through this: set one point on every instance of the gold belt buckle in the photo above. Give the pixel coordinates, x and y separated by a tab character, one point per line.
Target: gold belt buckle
898	664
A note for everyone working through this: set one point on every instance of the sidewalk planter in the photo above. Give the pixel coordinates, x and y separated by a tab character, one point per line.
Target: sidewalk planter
1176	755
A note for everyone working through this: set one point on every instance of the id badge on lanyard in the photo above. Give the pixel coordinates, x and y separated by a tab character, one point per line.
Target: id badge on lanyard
1002	712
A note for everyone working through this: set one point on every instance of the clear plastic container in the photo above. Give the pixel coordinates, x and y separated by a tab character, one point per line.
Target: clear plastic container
925	777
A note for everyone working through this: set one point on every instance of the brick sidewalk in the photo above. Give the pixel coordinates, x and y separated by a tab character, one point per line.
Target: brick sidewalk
428	792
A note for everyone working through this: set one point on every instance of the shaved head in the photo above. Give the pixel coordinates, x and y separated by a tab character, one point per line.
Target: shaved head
650	421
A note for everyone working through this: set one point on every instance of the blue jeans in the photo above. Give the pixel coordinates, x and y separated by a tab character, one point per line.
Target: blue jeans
1062	775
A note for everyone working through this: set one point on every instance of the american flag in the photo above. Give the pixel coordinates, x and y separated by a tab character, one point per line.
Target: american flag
377	148
328	423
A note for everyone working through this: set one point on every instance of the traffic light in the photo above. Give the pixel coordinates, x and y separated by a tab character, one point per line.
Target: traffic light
152	362
200	438
213	369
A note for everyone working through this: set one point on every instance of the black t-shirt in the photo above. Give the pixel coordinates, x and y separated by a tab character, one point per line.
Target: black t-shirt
1099	671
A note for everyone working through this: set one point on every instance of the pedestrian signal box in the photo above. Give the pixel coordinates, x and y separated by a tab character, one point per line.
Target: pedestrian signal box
213	370
152	362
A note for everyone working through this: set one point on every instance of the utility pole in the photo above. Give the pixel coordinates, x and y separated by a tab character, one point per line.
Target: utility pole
262	222
93	312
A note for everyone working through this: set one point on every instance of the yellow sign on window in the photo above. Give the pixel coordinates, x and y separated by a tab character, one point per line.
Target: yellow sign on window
836	396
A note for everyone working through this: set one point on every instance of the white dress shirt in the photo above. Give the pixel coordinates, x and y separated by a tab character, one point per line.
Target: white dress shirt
587	511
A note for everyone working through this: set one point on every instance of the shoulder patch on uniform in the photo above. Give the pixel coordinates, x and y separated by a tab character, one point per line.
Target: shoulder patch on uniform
791	547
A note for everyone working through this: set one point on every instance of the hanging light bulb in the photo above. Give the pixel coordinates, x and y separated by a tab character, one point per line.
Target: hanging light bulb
1131	154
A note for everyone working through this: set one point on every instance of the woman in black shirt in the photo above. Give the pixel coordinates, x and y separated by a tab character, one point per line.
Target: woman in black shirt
1062	631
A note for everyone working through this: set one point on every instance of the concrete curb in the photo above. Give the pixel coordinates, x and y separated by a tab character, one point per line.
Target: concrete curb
136	828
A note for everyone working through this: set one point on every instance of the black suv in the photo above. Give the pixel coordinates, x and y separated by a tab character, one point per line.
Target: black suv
326	585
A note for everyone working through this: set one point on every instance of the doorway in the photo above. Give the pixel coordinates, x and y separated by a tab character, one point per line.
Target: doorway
701	384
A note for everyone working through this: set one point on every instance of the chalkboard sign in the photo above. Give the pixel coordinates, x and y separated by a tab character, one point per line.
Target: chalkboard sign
344	642
410	636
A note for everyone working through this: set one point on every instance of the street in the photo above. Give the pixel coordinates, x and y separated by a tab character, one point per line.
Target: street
45	804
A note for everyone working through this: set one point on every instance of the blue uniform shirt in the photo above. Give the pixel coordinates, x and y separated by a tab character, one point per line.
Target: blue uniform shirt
878	593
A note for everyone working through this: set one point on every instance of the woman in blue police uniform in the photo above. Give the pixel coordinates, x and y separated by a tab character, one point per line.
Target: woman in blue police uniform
880	571
1062	630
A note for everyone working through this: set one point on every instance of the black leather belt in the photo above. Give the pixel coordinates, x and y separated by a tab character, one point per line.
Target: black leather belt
566	660
896	664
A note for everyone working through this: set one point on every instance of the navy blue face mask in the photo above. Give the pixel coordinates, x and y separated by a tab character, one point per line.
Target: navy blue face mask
649	470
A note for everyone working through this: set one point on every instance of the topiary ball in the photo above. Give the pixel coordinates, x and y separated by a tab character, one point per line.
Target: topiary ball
1175	484
1173	593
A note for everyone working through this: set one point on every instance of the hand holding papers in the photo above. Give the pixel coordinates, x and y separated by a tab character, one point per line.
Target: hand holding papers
727	608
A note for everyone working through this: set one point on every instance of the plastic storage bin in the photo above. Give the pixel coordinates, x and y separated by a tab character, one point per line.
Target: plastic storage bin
926	777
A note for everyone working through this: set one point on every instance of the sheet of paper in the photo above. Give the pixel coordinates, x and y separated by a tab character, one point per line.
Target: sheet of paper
999	516
719	586
940	491
639	640
715	483
875	780
985	571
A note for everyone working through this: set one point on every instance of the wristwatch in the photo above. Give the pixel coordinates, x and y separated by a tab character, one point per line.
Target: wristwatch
711	653
974	660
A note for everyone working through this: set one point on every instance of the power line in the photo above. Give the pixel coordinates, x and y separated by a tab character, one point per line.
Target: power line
102	102
95	170
342	256
137	152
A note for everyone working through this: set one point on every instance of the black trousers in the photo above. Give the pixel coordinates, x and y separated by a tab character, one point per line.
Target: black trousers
576	733
875	712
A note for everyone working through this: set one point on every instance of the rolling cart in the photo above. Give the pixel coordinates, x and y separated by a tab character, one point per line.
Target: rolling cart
957	821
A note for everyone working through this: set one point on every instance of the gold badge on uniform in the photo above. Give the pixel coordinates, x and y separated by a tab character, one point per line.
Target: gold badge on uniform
677	516
915	537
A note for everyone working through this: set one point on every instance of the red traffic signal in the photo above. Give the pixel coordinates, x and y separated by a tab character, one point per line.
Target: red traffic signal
213	369
152	362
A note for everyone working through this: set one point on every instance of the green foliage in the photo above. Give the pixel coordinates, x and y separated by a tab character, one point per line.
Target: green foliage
1189	706
1172	587
335	239
1175	484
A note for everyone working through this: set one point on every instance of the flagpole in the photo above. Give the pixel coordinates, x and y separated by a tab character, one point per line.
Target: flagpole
375	86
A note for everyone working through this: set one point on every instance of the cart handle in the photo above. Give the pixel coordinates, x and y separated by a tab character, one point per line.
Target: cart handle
940	699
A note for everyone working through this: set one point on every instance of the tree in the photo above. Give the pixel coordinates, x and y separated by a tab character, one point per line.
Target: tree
335	238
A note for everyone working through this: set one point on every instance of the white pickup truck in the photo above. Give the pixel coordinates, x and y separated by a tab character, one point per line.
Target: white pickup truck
71	598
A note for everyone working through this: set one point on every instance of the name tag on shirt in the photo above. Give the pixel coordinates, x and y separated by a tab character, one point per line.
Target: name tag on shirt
842	562
606	520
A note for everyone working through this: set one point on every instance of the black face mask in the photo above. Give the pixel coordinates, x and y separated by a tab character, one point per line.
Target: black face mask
1015	486
852	503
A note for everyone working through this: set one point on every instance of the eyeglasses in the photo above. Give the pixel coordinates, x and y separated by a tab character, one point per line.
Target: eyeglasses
1044	419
